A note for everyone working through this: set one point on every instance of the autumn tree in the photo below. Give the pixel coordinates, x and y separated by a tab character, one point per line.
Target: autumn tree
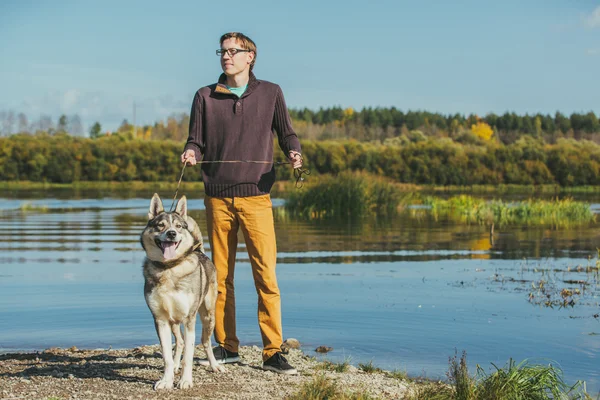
482	130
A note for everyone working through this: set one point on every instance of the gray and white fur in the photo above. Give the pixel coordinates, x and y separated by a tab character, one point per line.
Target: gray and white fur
180	281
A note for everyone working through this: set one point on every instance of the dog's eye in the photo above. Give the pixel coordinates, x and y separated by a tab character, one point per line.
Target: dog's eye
161	225
178	226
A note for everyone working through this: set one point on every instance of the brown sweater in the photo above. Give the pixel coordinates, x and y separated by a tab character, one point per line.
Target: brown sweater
224	127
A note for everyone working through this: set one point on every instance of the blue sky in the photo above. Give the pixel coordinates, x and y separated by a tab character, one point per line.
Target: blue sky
96	58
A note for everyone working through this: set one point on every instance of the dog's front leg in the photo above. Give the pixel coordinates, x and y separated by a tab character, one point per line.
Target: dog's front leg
176	329
163	329
189	340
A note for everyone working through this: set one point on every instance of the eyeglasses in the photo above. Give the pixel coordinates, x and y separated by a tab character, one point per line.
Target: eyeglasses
232	52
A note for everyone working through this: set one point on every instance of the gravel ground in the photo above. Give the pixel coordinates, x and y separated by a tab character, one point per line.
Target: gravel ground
130	374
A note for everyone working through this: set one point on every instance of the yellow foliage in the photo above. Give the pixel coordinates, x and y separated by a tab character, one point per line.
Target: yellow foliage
482	130
348	113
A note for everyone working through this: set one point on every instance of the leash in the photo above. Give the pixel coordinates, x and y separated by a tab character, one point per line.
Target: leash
298	172
178	184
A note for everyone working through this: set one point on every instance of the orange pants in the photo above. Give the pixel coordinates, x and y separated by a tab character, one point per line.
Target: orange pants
254	215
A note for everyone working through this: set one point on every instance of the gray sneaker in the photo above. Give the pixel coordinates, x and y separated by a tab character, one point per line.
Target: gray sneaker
222	356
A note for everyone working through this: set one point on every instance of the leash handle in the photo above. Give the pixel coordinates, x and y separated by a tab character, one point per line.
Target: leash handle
298	172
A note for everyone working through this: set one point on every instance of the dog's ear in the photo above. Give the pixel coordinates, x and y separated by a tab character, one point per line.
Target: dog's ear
181	208
156	207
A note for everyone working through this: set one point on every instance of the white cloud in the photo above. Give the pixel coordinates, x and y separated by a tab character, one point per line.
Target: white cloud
592	52
593	20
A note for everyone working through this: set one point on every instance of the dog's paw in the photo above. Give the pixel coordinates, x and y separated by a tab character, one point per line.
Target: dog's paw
185	383
218	368
163	384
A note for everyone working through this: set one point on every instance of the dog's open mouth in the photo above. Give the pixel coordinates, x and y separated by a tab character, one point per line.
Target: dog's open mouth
169	249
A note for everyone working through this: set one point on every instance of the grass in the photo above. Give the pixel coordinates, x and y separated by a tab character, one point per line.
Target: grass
323	388
335	367
284	187
101	185
369	367
535	382
348	195
523	381
358	195
471	210
28	207
514	189
400	375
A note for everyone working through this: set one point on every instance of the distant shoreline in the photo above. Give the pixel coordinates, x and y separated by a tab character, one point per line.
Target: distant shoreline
283	186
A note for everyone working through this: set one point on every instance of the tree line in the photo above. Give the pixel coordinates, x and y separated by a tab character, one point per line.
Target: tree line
62	158
367	125
371	124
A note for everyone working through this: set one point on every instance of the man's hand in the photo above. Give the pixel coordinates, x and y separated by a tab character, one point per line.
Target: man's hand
295	159
189	156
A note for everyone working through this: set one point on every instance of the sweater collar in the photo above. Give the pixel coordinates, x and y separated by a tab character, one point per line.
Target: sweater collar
222	85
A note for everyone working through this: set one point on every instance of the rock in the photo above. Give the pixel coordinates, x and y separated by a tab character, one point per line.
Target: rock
323	349
73	349
292	343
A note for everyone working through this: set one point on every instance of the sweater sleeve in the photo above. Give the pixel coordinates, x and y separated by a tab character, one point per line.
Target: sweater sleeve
195	139
282	124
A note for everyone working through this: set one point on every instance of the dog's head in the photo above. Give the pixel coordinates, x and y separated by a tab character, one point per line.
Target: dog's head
167	235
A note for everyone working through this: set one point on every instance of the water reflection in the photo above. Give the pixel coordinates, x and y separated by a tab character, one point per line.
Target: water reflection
402	292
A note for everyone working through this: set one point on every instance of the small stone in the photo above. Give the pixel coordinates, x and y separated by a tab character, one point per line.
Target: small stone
71	376
73	349
323	349
292	343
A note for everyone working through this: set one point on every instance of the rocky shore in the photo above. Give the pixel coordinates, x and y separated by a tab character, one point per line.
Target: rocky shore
130	374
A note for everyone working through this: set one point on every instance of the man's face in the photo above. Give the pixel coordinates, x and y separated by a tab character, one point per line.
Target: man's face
237	63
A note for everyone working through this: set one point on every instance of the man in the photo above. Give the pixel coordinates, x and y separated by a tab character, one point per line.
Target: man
234	120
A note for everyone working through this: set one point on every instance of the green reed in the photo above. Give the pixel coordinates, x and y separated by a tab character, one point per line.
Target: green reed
347	195
323	388
511	382
471	210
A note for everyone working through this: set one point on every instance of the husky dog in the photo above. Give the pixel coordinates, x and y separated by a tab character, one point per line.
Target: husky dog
180	281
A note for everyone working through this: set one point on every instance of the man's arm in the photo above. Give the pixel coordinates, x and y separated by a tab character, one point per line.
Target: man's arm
282	123
195	143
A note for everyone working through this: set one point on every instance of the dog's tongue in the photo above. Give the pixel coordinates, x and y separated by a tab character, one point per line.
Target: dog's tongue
169	250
